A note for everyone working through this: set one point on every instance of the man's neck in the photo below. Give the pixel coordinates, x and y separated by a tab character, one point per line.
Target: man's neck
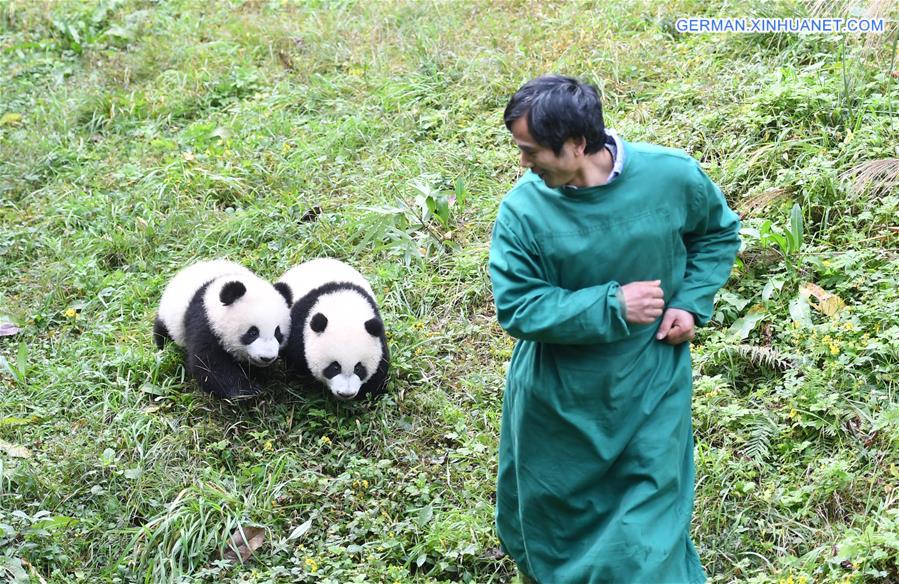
595	170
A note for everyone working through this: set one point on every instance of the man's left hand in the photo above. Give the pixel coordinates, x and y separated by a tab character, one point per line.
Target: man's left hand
676	327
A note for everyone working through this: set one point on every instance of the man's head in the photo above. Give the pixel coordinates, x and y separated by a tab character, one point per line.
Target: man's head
555	121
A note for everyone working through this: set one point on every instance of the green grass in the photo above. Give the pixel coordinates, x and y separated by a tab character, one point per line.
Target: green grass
137	137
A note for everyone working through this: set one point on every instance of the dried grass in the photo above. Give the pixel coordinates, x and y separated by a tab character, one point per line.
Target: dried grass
756	203
879	177
846	9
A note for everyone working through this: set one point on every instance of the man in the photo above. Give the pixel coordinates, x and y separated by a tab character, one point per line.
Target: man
604	258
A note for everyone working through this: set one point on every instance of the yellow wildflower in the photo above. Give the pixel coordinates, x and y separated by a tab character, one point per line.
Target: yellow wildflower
268	446
71	313
325	440
313	566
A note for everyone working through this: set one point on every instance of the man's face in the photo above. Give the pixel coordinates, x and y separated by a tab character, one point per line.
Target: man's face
555	170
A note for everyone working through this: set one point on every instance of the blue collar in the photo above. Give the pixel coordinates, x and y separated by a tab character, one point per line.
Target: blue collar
616	148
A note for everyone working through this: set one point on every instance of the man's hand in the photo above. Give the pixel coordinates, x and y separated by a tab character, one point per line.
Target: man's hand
676	327
643	301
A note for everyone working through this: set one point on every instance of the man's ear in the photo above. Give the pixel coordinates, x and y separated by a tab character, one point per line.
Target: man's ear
580	144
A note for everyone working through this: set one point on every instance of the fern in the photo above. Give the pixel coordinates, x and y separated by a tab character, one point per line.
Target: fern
761	430
766	356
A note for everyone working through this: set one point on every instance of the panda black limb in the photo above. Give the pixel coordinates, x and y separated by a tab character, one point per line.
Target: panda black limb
214	369
160	333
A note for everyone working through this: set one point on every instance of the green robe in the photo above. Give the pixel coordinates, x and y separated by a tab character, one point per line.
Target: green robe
595	480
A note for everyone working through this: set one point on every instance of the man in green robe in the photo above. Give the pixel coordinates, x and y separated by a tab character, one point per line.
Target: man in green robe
604	257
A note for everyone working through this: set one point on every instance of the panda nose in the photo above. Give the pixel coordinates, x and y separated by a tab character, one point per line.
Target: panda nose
267	359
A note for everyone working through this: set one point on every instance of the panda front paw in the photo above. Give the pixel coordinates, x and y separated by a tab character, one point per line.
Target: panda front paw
228	384
236	391
236	394
222	378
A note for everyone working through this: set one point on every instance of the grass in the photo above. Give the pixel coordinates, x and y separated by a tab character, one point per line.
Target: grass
137	137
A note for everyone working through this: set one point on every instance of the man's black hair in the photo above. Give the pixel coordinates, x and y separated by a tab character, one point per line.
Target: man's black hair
559	108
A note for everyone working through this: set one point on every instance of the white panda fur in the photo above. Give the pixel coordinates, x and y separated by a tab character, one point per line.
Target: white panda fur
335	320
227	319
309	275
181	289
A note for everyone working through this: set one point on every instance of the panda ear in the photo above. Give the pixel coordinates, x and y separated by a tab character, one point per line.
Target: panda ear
284	289
231	292
319	322
374	327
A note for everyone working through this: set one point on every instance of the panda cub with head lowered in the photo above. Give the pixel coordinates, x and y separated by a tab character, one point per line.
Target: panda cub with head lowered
337	334
228	320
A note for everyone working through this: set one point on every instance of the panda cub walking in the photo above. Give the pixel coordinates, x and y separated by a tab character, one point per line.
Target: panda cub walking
228	320
337	334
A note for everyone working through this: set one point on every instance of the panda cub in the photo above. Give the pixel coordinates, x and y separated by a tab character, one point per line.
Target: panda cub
228	320
337	334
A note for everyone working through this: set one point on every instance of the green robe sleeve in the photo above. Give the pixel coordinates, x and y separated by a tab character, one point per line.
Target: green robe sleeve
711	237
531	308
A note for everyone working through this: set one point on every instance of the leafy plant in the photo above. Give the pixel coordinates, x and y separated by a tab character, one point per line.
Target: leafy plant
17	369
439	205
418	228
788	239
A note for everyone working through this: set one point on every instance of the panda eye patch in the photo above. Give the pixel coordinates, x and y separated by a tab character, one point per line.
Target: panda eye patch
278	336
331	370
251	335
319	322
360	370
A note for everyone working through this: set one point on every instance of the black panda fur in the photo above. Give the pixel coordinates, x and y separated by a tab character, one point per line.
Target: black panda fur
215	370
160	333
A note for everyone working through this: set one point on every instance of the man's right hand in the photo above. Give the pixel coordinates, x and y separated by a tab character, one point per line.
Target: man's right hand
643	301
